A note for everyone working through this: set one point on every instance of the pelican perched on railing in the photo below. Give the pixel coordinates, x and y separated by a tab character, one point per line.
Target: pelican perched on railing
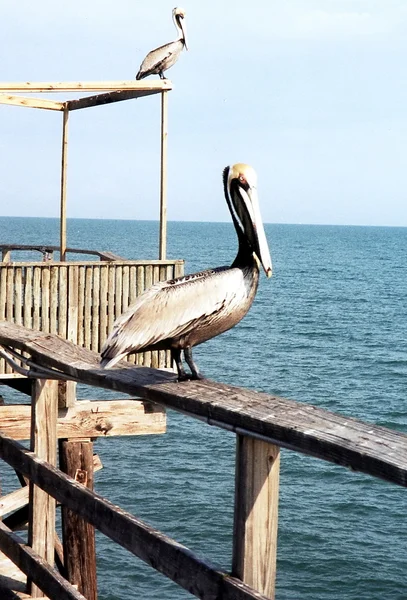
161	59
181	313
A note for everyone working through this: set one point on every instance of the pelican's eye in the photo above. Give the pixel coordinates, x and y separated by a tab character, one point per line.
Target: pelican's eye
243	182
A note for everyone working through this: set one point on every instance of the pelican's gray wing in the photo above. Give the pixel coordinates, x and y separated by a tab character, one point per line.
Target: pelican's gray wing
166	310
160	59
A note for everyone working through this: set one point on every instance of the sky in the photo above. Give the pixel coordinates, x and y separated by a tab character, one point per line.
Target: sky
311	93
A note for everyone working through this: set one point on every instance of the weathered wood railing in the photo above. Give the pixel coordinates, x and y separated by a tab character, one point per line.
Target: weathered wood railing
263	423
47	251
79	300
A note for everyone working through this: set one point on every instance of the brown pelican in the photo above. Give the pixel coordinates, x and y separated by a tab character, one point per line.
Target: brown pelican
181	313
159	60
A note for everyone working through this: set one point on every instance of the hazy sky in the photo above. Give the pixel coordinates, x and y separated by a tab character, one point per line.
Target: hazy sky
312	93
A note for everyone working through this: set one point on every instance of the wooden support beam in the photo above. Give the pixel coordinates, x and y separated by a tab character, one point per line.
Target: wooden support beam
107	98
90	419
256	514
41	529
31	102
158	550
76	459
87	86
64	165
163	177
45	577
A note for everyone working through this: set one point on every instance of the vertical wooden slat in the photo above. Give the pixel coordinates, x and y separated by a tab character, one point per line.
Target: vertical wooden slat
64	166
6	256
256	514
179	270
76	459
3	304
41	532
18	296
110	299
45	299
163	178
118	291
73	282
88	305
133	284
63	302
28	294
3	293
125	287
36	297
54	290
104	273
148	282
95	309
81	306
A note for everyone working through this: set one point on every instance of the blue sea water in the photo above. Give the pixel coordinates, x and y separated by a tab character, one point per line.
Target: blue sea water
328	329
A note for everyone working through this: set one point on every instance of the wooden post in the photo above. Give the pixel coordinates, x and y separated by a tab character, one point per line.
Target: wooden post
76	459
64	165
41	529
256	514
163	180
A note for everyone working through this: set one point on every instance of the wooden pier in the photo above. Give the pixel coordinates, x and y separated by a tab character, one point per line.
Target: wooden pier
262	423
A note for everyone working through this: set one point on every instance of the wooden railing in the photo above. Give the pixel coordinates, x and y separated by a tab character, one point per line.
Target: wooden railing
263	423
79	300
47	252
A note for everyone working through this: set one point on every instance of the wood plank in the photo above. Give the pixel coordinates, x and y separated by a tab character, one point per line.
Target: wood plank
41	525
95	309
111	299
81	306
76	460
125	288
51	582
45	299
31	102
86	86
13	501
53	309
256	514
88	307
104	275
73	283
18	296
63	301
101	418
343	440
167	556
107	98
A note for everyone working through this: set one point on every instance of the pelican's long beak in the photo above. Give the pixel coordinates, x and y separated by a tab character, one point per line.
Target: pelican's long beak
241	188
183	26
258	236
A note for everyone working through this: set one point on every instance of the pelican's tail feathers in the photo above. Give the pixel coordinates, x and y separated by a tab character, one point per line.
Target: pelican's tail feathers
107	362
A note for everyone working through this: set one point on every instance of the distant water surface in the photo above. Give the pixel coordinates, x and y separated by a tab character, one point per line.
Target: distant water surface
328	329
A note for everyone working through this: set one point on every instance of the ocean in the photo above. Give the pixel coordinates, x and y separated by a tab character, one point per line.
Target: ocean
328	329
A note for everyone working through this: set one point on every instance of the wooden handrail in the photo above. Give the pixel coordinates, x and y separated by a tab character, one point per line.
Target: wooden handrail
47	249
363	447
